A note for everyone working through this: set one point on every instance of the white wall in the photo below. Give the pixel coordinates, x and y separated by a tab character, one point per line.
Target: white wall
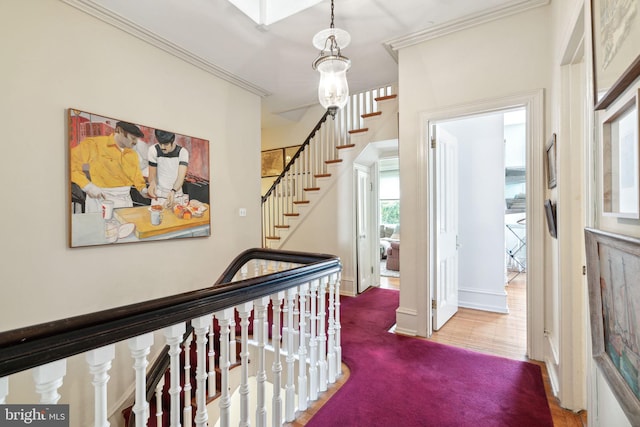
487	62
481	211
55	57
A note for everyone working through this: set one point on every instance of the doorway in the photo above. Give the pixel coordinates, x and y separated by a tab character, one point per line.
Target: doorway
389	219
488	242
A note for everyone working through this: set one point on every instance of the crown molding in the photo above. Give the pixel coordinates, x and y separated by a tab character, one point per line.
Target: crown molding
514	7
120	22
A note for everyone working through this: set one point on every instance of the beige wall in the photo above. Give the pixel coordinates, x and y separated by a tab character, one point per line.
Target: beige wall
55	57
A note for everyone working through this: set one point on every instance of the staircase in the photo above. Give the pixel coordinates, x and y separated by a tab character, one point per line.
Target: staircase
325	155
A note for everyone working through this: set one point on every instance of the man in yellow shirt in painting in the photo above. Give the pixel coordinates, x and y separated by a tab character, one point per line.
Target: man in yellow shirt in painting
106	167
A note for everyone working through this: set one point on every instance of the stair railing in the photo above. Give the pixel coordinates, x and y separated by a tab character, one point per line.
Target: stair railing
282	283
309	164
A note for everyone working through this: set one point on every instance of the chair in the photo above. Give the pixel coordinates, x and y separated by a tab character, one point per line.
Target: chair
393	257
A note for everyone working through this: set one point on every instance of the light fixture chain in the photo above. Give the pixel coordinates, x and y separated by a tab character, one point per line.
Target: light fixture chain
331	14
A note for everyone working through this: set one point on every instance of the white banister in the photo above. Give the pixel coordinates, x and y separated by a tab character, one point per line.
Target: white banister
276	302
4	389
173	335
244	311
259	328
99	361
338	327
48	379
302	350
224	319
313	341
331	333
201	327
290	390
322	337
289	335
187	413
140	347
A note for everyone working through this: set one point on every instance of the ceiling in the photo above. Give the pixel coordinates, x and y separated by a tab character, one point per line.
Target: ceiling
274	61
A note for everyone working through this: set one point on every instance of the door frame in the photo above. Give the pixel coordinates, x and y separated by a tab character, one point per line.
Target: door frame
370	241
533	102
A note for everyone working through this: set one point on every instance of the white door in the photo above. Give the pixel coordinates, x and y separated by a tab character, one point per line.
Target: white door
363	228
445	295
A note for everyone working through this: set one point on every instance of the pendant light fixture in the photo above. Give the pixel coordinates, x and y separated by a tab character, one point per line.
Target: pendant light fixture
333	90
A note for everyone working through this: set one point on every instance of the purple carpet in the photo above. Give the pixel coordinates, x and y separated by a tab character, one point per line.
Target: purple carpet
404	381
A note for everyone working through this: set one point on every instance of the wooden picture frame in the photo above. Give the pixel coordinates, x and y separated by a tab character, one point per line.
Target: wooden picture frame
621	158
550	213
616	63
551	162
272	162
110	161
613	266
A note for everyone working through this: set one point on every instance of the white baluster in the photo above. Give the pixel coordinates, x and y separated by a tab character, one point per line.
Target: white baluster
244	311
140	347
211	374
261	374
159	388
322	335
338	340
224	318
201	327
302	350
4	389
313	341
187	416
290	390
173	335
331	350
233	343
276	302
48	378
99	361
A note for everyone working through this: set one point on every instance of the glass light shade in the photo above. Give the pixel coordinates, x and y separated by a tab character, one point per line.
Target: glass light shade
333	89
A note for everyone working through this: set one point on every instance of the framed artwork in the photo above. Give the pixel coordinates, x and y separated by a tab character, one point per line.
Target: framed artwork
272	162
132	183
620	159
616	63
613	267
550	213
551	162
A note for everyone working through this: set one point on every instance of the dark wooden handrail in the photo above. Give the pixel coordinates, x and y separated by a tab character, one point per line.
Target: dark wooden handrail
295	156
32	346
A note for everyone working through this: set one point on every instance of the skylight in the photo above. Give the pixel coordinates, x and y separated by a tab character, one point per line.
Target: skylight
266	12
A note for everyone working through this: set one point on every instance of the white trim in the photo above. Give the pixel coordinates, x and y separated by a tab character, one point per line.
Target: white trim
514	7
120	22
533	101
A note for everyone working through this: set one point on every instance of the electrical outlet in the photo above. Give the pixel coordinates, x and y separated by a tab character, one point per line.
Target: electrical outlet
242	212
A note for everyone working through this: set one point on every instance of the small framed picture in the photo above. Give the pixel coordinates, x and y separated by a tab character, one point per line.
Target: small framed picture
551	162
272	162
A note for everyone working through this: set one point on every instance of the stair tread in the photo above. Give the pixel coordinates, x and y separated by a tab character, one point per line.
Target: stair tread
292	214
312	189
322	175
299	202
340	147
376	113
272	237
384	98
358	130
281	226
333	161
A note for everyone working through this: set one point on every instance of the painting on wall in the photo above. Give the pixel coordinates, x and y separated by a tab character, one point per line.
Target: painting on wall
134	183
272	162
613	266
616	63
620	158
